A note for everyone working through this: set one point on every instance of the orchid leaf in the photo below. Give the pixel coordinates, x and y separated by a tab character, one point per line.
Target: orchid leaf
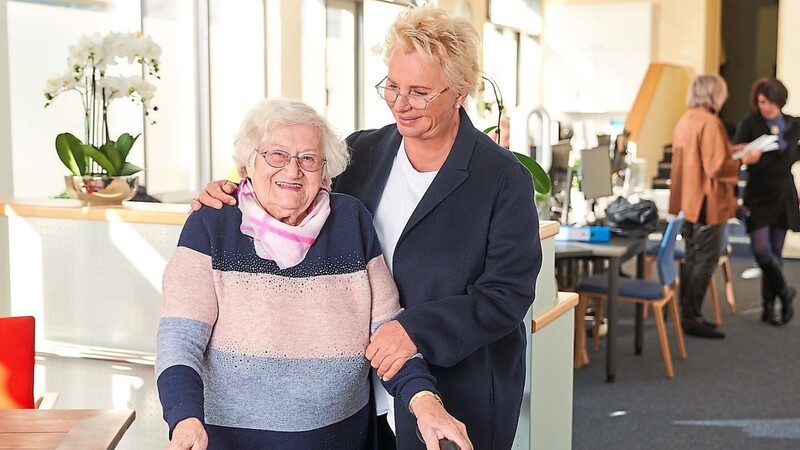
128	169
101	159
110	150
124	144
70	151
541	181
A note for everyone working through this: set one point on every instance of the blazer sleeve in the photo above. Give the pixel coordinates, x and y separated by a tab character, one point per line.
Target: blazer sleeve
448	329
715	152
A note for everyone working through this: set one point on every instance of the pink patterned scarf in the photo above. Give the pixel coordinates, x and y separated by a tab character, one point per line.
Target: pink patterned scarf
285	244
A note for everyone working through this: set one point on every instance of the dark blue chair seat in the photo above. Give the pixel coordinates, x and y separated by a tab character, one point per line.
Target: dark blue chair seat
628	287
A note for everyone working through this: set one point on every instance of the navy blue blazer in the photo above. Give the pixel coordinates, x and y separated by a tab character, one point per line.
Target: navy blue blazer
466	267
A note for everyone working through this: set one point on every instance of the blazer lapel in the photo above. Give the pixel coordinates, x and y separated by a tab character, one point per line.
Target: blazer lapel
451	175
381	158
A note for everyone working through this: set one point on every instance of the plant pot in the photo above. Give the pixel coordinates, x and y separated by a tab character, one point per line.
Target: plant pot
101	189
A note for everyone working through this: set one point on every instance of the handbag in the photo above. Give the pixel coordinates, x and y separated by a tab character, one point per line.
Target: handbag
634	220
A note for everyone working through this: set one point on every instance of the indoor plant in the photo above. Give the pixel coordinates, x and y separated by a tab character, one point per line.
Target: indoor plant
97	161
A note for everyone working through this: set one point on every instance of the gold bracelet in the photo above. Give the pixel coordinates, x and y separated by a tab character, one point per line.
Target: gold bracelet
418	396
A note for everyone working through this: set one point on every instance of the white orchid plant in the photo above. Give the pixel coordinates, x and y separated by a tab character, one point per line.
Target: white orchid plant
88	75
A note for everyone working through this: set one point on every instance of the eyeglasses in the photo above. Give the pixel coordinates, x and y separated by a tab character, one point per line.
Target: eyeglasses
309	162
416	101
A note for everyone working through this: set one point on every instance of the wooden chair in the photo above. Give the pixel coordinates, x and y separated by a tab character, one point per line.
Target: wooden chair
17	351
655	294
723	263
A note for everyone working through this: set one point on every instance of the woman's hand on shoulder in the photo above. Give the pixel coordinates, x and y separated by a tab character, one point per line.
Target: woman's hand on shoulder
436	423
189	434
215	194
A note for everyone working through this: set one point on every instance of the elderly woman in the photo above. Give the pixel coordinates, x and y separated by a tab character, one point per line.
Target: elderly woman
456	218
770	194
703	182
268	305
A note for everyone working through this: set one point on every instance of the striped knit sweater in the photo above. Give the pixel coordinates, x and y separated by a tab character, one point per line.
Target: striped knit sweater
270	358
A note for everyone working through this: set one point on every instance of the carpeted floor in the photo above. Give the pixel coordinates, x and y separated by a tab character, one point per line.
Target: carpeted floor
742	392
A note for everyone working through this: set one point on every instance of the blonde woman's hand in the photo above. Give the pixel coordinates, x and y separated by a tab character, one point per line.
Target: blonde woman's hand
435	423
189	434
215	194
389	348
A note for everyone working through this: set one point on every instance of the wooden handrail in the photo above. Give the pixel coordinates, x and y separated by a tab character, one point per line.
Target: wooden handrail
565	302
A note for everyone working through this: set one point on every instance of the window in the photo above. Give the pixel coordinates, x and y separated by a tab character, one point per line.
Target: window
212	71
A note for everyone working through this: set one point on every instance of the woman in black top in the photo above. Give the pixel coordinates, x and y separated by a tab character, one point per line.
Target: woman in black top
770	194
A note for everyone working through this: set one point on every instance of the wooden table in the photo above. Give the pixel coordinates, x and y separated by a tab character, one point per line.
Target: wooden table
86	429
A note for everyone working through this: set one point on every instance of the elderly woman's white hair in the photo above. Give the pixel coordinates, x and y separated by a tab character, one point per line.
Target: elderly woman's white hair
270	113
436	34
707	90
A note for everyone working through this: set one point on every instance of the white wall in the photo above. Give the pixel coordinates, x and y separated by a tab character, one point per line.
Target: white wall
6	181
788	43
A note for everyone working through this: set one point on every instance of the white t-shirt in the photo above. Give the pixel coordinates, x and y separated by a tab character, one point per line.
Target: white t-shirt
404	189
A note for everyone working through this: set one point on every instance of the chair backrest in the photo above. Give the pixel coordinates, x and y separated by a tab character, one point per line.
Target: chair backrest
665	259
725	237
16	362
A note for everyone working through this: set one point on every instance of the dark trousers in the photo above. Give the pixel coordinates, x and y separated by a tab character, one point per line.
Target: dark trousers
703	247
386	439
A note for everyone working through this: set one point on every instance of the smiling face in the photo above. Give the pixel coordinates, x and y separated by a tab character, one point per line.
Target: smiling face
410	72
286	193
767	108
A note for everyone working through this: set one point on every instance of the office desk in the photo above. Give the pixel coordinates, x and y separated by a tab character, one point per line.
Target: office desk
616	251
63	428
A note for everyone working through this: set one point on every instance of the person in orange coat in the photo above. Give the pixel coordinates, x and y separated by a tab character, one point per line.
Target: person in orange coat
702	185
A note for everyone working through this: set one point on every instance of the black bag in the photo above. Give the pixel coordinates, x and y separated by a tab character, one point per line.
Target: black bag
632	219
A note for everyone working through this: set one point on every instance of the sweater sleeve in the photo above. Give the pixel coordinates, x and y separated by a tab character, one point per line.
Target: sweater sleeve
188	314
716	154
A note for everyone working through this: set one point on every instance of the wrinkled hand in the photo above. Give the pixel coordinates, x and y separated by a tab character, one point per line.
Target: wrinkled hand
214	194
189	434
752	157
435	423
390	348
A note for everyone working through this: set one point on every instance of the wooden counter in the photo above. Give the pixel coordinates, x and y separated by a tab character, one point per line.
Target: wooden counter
132	212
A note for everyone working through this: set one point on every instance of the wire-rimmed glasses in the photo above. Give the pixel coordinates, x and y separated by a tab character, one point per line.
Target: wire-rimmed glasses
415	101
310	162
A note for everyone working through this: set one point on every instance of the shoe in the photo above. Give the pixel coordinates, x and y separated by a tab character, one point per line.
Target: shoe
768	313
711	325
787	310
697	329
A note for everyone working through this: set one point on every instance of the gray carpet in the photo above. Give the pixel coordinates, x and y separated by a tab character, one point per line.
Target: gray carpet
742	392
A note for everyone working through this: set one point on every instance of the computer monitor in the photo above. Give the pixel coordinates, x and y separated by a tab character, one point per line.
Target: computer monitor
596	173
561	152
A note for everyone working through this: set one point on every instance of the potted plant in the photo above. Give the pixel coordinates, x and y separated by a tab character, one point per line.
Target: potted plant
541	180
100	172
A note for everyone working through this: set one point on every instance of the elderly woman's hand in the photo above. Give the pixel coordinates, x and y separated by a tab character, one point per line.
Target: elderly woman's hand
214	194
189	434
752	157
389	348
435	423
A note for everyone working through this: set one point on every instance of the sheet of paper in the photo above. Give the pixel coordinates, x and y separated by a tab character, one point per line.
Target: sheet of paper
765	142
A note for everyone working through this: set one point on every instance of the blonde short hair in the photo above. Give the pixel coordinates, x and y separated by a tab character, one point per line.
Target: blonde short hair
439	36
271	113
707	90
